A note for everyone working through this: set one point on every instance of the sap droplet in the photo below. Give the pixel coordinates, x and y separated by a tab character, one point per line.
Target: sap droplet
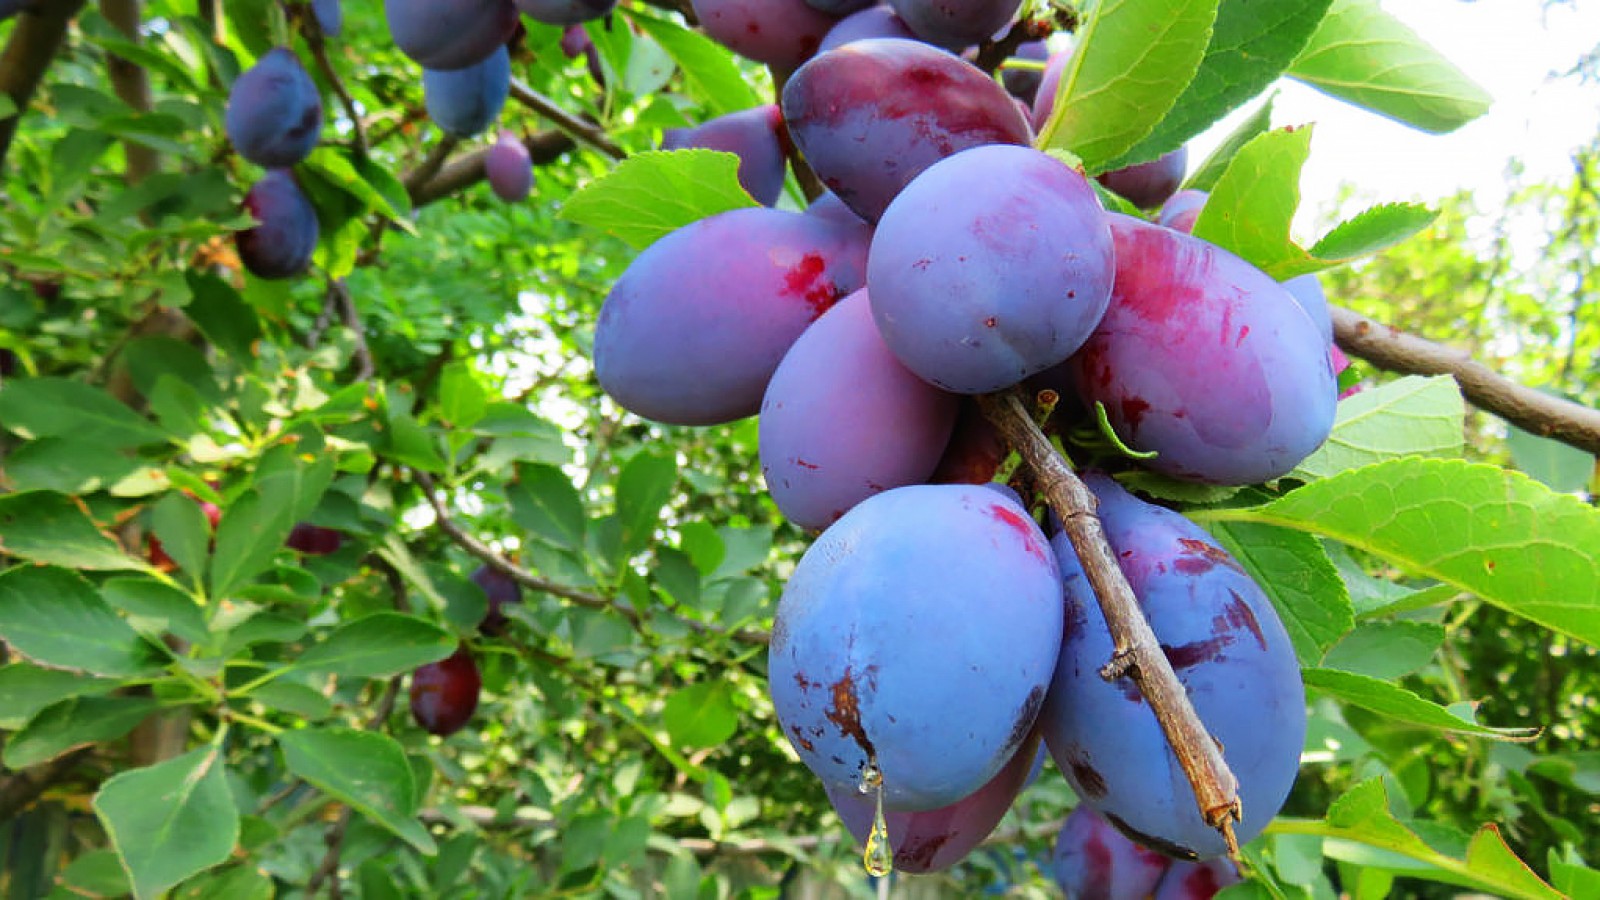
877	857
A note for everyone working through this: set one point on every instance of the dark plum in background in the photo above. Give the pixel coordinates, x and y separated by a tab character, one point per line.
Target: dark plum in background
1307	291
752	134
1197	881
282	242
975	290
936	839
843	420
314	540
450	34
574	41
871	115
782	33
920	631
839	7
872	22
502	591
330	16
274	113
466	101
509	168
1148	185
566	12
956	23
1021	83
1044	99
692	331
975	450
444	695
1094	861
1230	652
1206	360
1182	210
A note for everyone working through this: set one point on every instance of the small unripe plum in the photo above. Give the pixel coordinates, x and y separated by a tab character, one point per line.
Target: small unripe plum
751	134
1148	185
280	246
314	540
465	101
510	168
274	113
450	34
501	590
444	694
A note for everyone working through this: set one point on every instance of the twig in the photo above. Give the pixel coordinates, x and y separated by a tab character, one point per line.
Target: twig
1137	653
586	131
328	869
352	321
34	42
311	29
431	164
24	787
131	83
1393	350
466	170
992	53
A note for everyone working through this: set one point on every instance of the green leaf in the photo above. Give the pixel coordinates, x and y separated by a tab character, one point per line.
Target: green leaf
413	445
252	530
1414	416
545	502
75	722
97	873
55	618
1204	176
47	527
364	769
170	821
1252	43
1253	204
1402	705
708	68
162	608
184	532
150	358
1386	650
1133	61
1497	534
294	698
643	488
243	882
295	478
462	400
653	193
222	315
1297	576
1365	56
701	715
26	688
379	645
58	407
331	163
1561	467
66	465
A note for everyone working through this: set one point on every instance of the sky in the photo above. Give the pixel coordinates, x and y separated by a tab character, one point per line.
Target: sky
1509	47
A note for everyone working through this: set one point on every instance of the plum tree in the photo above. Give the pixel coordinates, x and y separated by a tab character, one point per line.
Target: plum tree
466	101
1231	654
509	168
752	134
281	243
842	419
1205	360
955	24
975	291
891	620
872	114
1148	185
444	694
693	330
274	113
1094	861
782	33
450	34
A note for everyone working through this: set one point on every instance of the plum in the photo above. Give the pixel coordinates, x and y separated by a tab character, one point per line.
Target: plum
1044	99
1148	185
975	290
509	168
752	134
450	34
1206	360
843	420
1230	652
1093	861
872	22
465	101
975	450
566	12
1197	880
575	40
330	16
780	33
314	540
274	114
501	590
1023	84
917	635
829	206
444	694
1307	291
872	114
280	246
693	330
956	23
1182	209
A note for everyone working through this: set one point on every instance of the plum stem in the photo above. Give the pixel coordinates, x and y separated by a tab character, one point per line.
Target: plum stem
580	129
1136	652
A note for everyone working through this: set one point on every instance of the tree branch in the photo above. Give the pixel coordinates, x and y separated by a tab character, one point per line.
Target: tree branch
34	42
311	30
24	787
466	170
1393	350
580	129
1137	653
131	83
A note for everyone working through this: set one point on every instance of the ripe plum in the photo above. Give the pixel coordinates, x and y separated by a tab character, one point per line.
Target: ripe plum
1307	291
752	134
509	167
444	694
956	23
872	22
274	113
1093	861
566	12
501	590
282	243
1182	209
1148	185
450	34
1197	880
465	101
781	33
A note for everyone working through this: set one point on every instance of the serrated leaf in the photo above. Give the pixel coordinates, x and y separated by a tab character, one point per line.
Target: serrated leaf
1204	176
55	618
1365	56
367	770
46	527
1386	650
653	193
1395	702
1414	416
171	820
708	67
643	488
1297	576
59	407
1253	204
545	502
1133	61
379	645
700	715
75	722
1494	533
26	688
1252	43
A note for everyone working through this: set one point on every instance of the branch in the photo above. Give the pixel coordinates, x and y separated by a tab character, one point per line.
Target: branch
311	30
131	83
1393	350
24	787
581	129
466	170
34	42
352	321
992	53
1137	653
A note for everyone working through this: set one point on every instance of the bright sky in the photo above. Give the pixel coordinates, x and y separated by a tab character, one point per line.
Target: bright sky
1511	48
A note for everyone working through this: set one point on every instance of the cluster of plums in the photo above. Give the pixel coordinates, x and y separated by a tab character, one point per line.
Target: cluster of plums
444	694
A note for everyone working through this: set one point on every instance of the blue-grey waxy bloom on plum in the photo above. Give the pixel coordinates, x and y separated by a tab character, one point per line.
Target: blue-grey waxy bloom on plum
466	101
281	243
752	134
509	168
450	34
956	23
872	22
782	33
274	113
1307	291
